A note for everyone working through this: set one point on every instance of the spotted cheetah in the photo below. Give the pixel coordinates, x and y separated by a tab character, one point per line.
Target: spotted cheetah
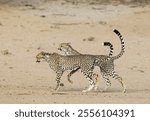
104	62
60	64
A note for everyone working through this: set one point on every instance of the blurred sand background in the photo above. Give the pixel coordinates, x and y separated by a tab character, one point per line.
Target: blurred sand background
30	26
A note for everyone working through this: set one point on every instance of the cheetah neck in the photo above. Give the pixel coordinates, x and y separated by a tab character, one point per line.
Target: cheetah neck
71	51
49	59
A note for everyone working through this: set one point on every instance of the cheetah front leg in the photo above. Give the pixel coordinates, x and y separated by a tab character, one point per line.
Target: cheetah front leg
58	77
71	73
91	81
96	77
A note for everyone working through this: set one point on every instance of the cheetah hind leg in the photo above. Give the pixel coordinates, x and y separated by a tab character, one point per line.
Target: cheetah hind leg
117	77
70	74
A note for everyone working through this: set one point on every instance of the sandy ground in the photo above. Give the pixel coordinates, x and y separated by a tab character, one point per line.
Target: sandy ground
27	30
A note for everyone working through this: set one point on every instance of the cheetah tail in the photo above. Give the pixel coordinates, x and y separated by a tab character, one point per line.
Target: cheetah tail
122	45
111	48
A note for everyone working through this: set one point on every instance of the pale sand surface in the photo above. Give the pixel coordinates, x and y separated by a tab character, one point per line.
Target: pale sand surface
27	30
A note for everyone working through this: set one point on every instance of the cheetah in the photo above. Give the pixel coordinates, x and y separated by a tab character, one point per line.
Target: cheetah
60	64
104	62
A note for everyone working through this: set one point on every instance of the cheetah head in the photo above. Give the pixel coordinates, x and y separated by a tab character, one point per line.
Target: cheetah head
45	56
64	47
41	56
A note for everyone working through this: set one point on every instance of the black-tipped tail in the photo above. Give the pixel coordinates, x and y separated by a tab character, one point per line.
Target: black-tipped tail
122	45
111	48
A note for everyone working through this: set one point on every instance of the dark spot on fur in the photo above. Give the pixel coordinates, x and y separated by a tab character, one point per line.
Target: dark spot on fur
61	84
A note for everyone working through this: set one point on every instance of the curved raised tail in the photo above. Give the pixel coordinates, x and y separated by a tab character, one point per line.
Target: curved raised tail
111	48
122	45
